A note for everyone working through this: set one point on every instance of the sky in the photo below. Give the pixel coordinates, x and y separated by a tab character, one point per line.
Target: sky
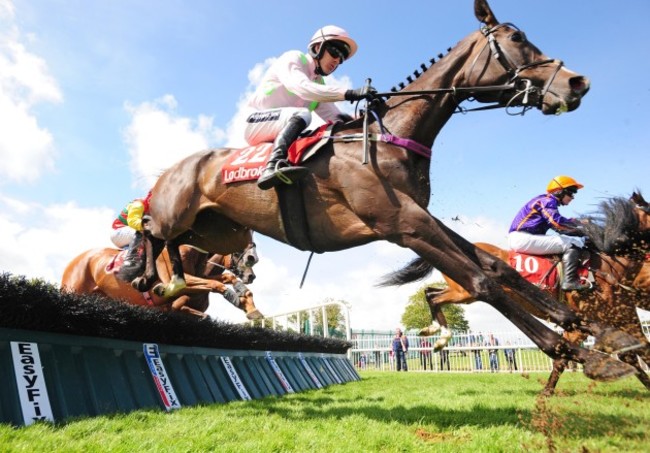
98	97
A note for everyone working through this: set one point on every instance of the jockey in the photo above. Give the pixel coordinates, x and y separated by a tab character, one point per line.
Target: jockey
127	230
291	89
528	230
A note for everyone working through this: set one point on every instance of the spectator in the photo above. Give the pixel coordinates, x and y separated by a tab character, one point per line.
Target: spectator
478	360
400	349
444	359
425	354
510	357
492	354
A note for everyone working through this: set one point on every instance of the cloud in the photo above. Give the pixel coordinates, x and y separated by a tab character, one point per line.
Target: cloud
40	246
26	148
7	9
157	137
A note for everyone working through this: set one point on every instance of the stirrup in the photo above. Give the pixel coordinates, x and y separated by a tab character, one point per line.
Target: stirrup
284	173
580	286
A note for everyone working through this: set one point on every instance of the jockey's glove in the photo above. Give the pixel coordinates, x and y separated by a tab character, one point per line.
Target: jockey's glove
360	93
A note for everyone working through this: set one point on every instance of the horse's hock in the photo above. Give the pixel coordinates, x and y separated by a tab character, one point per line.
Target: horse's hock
77	356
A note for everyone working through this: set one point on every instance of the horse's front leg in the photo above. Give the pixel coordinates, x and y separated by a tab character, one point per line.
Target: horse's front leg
152	249
182	304
177	281
608	339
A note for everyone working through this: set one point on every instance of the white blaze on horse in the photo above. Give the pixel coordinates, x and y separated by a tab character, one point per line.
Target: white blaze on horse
343	204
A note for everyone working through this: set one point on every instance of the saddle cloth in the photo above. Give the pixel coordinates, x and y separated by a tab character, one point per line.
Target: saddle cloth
115	264
543	270
247	163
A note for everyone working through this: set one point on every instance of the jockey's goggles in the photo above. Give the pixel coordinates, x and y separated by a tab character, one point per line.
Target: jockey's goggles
337	49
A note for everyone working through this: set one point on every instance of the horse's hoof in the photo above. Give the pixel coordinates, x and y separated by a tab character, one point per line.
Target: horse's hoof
255	314
601	367
547	393
159	290
614	341
439	344
174	286
139	284
429	330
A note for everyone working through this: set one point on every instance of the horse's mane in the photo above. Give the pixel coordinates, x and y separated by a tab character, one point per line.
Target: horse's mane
417	73
613	228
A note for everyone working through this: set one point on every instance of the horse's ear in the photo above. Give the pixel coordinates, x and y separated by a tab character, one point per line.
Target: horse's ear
484	13
638	199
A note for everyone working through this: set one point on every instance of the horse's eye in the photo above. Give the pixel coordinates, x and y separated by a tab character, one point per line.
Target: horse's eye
517	37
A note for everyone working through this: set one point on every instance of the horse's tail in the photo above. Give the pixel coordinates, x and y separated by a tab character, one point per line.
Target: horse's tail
413	271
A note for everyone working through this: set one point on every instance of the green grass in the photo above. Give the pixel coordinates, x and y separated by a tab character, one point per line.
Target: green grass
387	412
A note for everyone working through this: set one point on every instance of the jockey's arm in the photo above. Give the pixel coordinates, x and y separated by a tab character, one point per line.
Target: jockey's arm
135	214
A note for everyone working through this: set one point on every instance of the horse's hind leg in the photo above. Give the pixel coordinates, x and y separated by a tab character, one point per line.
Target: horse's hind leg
436	297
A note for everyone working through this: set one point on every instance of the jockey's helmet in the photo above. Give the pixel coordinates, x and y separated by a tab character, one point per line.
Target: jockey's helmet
561	183
335	39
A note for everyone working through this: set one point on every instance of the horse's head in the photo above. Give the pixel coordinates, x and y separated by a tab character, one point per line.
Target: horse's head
242	263
504	55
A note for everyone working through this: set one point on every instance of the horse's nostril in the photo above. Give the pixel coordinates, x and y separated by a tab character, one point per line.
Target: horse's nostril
579	85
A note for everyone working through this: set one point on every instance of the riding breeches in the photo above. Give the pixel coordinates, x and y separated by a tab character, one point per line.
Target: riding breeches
265	125
542	244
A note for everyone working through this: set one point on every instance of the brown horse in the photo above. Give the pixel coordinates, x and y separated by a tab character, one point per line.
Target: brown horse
345	204
620	238
87	274
641	286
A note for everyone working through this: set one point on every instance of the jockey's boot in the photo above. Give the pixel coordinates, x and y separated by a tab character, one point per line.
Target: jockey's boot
133	257
277	169
570	263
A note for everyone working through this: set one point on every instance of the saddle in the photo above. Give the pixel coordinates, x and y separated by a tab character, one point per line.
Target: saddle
545	271
246	164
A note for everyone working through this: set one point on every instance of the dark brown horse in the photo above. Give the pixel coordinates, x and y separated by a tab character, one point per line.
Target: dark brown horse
346	204
620	235
87	274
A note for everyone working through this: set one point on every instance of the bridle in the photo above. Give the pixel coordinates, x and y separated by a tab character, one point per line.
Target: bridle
513	69
236	261
523	87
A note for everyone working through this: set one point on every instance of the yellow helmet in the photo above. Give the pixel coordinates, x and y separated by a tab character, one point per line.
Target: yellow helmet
562	182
